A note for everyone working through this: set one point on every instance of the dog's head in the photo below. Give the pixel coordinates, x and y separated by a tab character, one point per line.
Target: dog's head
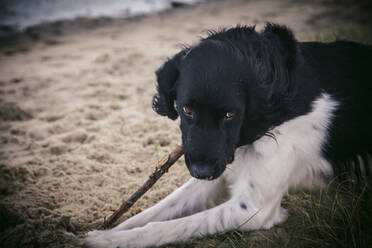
228	90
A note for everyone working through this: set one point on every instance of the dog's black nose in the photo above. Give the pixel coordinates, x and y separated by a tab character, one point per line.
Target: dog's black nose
202	171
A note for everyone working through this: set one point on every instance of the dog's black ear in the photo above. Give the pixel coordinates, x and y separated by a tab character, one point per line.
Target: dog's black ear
277	59
283	39
163	102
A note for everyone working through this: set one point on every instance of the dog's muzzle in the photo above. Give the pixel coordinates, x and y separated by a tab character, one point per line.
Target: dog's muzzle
206	172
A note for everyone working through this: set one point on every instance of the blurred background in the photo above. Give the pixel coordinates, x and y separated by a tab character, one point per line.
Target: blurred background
21	14
78	135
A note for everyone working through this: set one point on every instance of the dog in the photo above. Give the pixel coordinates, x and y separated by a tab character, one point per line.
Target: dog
260	113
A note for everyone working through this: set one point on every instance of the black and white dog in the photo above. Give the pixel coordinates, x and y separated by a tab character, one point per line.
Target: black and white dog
260	114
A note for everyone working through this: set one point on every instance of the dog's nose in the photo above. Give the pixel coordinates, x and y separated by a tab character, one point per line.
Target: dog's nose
202	171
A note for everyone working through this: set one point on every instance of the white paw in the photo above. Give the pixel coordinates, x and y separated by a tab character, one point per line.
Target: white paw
281	216
115	239
278	217
99	239
274	218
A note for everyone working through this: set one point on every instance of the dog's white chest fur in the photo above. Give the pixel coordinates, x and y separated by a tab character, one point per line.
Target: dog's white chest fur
247	196
296	148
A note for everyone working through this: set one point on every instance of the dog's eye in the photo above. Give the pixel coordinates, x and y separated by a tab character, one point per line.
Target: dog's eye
187	111
229	115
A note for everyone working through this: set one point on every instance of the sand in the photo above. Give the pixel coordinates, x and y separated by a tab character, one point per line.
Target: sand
77	132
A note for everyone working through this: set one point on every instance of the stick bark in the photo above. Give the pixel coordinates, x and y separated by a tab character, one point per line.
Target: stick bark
160	169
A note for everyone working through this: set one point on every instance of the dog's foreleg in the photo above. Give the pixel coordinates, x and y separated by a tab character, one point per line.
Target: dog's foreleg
256	193
227	216
194	196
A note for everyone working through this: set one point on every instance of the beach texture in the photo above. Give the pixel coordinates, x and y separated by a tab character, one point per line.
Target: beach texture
77	131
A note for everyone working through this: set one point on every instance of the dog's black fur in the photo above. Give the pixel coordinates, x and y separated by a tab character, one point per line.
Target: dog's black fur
264	79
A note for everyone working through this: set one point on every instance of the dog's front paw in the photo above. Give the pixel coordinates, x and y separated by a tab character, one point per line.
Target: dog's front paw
99	239
281	216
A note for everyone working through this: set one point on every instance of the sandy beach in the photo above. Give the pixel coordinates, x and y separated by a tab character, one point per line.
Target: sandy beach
77	131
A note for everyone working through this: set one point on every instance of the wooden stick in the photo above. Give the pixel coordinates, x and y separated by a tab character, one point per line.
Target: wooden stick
160	169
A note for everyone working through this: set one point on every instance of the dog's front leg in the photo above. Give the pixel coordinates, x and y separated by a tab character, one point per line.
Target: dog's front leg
227	216
194	196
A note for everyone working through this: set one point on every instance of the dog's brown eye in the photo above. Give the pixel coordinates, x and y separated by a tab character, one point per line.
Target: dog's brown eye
187	111
229	115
